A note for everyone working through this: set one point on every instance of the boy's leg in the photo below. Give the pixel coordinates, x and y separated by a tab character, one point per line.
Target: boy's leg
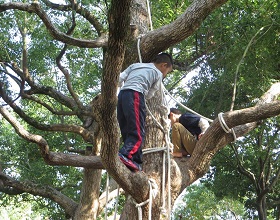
121	117
133	105
182	139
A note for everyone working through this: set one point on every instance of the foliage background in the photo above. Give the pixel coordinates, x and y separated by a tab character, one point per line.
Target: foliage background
215	51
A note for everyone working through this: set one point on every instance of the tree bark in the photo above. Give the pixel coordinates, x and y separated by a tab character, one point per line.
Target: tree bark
89	200
183	171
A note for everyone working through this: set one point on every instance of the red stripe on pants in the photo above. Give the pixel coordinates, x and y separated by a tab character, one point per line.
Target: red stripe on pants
137	123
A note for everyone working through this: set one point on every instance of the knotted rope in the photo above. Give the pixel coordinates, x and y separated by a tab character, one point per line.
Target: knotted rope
225	127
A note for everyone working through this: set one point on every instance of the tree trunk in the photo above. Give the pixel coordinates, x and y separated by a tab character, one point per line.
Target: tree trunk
261	207
183	171
153	165
89	201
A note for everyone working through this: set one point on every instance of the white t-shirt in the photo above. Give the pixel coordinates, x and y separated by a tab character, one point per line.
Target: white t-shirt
141	77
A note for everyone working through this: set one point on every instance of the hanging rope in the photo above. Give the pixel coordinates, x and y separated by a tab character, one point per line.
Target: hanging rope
167	151
117	203
167	141
139	208
150	17
152	194
138	49
185	107
107	194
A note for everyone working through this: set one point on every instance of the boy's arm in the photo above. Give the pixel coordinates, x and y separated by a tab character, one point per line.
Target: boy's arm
156	86
203	124
153	89
123	77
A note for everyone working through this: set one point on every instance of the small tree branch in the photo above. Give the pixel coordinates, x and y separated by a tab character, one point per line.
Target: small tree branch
55	33
81	11
242	169
52	110
64	70
162	38
239	64
37	89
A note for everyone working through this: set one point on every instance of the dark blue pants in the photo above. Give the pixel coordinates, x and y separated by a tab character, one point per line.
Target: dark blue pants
131	113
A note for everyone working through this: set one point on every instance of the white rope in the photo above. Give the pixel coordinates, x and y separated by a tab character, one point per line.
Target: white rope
154	149
117	203
225	127
138	49
139	208
153	117
168	178
162	208
107	194
185	107
152	195
167	150
150	17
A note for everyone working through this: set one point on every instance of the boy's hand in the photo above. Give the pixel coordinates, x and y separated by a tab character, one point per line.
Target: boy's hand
199	136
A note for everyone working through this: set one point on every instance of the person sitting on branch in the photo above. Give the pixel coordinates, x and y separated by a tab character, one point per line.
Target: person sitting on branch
187	129
140	81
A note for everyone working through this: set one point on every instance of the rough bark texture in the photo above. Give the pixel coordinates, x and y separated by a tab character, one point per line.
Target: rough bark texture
89	200
121	50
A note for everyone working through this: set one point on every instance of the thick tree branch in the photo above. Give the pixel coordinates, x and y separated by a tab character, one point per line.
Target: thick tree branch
61	159
52	158
37	89
64	70
152	43
215	138
56	34
118	33
81	11
39	140
37	190
162	38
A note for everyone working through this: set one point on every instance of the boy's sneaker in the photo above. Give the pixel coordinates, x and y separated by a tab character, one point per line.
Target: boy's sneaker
133	166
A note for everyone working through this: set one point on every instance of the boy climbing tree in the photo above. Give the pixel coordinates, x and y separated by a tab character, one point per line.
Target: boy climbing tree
140	81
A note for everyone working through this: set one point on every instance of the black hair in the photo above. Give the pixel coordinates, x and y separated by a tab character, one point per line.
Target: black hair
163	58
175	111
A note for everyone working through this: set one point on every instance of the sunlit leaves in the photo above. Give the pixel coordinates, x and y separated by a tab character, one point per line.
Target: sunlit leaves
201	203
